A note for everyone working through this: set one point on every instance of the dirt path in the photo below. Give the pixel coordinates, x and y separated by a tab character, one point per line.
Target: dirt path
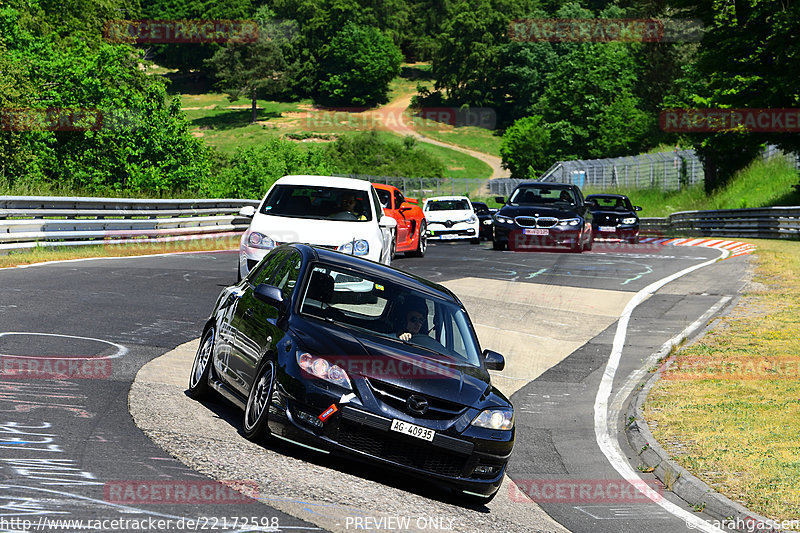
396	107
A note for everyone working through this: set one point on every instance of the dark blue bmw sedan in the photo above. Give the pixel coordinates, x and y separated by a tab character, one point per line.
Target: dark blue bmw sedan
341	354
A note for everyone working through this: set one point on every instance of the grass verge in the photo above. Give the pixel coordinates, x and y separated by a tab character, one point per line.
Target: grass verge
728	409
41	255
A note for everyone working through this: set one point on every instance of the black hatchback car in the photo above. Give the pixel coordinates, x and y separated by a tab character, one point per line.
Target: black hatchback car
341	354
614	218
543	215
486	219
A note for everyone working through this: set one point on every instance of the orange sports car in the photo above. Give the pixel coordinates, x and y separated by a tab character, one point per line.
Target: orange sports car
411	235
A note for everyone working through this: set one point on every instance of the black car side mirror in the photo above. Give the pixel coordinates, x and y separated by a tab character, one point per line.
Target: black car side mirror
500	199
493	360
271	295
637	208
590	203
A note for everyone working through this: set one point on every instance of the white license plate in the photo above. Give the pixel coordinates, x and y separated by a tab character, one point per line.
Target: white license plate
608	228
530	231
413	430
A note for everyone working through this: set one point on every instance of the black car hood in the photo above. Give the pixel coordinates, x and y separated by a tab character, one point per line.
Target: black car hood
394	362
539	210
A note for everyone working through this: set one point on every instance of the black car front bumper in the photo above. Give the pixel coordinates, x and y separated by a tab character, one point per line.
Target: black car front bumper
367	436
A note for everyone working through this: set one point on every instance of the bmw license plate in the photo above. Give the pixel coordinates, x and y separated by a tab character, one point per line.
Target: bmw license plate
531	231
608	228
415	431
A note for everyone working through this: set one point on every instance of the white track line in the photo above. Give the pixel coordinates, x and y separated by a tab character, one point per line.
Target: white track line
608	445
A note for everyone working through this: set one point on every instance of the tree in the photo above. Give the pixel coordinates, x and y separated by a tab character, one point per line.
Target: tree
525	148
358	65
255	68
748	58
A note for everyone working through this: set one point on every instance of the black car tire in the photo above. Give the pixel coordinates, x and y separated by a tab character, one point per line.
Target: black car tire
422	241
588	246
254	424
475	241
201	368
498	245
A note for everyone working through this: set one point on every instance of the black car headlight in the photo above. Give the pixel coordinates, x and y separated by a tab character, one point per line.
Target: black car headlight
569	222
497	418
629	220
487	221
323	369
503	220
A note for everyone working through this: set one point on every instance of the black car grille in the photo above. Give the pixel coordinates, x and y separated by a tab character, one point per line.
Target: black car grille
536	222
397	397
400	450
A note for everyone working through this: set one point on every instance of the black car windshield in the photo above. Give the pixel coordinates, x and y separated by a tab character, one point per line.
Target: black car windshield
389	310
542	195
307	201
447	205
614	203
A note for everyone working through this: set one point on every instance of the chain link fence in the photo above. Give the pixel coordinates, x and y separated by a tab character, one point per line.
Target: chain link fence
667	171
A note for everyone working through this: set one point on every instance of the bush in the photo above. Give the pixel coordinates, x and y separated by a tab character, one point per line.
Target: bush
357	66
367	153
525	147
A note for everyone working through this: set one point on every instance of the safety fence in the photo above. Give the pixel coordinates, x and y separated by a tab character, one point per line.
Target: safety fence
755	223
33	221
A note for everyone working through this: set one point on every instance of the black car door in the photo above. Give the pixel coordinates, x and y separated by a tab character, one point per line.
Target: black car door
230	365
256	322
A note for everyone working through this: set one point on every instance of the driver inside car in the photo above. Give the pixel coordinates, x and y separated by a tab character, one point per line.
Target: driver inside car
349	205
413	316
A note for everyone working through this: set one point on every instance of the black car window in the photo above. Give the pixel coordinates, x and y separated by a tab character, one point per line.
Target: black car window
398	199
285	278
383	308
612	203
263	271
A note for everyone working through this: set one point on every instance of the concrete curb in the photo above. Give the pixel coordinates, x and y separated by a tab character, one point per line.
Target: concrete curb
679	480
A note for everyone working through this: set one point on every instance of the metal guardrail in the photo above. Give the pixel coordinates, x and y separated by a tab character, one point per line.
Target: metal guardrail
755	223
32	221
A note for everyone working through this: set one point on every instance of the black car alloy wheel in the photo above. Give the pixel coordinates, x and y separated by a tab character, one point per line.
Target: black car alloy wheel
255	415
198	380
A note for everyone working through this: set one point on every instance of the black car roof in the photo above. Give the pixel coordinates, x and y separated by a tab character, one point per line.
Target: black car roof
547	184
605	196
338	259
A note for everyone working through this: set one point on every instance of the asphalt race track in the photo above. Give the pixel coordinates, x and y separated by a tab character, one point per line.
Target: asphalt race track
71	449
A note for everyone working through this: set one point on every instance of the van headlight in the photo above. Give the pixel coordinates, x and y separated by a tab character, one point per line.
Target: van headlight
259	240
356	247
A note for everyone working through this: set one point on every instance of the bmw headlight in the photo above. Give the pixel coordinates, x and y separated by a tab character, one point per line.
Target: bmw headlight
569	222
629	220
500	418
503	220
259	240
357	247
323	369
